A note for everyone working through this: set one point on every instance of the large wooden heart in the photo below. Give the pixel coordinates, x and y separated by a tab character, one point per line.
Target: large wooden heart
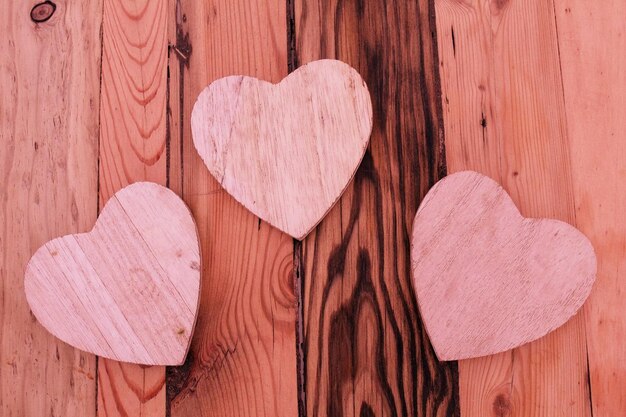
486	278
285	151
129	288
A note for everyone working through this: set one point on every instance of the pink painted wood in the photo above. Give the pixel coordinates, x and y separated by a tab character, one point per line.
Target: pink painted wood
128	289
486	278
285	151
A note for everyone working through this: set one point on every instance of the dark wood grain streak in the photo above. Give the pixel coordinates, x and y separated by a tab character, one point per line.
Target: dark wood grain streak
365	350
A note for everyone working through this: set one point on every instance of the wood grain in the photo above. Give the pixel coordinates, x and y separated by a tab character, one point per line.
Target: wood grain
242	360
591	40
504	116
285	151
127	290
499	63
130	390
134	75
365	350
133	147
49	84
487	279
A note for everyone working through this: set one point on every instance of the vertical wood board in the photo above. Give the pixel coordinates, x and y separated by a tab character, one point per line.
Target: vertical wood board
49	100
133	147
365	351
504	116
242	360
592	41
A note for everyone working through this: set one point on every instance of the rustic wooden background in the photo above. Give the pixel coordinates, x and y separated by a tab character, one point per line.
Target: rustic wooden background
531	93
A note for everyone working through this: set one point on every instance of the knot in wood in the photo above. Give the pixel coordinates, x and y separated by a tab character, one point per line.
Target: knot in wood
43	11
502	406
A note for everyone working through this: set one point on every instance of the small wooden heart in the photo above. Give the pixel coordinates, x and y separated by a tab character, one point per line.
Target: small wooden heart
486	278
128	289
285	151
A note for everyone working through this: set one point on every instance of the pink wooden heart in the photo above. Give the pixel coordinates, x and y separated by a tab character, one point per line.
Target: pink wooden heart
285	151
486	278
129	288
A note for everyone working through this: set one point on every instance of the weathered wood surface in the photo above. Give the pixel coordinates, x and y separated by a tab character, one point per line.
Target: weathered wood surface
592	41
243	356
504	116
133	147
49	86
285	151
557	150
365	351
129	288
488	279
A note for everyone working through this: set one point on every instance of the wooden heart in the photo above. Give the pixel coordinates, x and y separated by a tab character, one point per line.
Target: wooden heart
285	151
129	288
486	278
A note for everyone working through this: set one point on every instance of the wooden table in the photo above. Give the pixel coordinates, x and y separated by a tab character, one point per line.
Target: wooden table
98	94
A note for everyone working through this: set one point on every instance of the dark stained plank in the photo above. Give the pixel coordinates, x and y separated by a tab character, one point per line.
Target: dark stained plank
243	358
364	349
49	98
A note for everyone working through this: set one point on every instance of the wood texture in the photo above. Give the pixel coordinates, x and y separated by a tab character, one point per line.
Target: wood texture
49	87
504	116
134	75
592	39
128	289
133	147
243	359
285	151
130	390
365	350
487	279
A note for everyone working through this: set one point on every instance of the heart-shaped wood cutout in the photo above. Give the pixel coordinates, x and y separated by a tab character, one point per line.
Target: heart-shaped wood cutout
487	279
285	151
129	288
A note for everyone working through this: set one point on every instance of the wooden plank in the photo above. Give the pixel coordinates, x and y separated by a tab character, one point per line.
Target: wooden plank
134	77
592	41
504	116
365	350
49	79
242	360
133	147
